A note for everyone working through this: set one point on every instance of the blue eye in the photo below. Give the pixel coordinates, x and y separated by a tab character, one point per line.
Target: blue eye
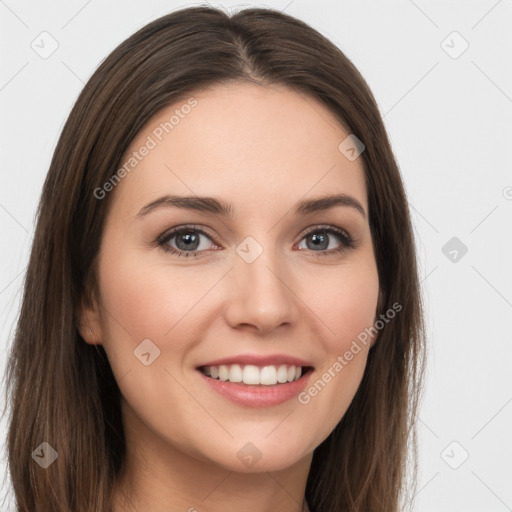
188	241
319	237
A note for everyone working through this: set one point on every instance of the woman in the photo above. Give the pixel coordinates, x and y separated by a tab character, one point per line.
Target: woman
221	308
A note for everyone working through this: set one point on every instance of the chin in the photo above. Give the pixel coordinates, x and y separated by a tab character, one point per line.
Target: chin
256	455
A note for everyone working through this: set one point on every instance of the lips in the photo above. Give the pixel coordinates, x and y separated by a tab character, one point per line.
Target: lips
257	395
259	360
257	380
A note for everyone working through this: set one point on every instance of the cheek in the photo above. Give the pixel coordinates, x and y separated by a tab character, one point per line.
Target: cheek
148	299
347	309
346	303
143	300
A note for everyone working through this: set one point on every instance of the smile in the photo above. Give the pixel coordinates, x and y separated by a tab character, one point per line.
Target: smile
253	375
252	381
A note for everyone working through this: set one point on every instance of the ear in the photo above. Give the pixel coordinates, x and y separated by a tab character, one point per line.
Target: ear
89	324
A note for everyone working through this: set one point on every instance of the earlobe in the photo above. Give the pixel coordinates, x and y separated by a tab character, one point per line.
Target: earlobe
89	325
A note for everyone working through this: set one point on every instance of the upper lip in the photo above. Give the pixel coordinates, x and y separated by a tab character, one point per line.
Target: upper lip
259	360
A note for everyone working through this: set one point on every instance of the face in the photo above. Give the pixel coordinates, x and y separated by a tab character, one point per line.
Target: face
262	295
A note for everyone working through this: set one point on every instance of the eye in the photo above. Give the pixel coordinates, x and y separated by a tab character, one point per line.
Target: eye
318	237
188	241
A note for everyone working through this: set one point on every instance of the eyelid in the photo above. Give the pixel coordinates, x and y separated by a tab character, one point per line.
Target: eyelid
327	227
166	235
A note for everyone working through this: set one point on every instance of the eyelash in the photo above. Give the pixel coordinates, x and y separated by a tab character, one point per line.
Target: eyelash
346	241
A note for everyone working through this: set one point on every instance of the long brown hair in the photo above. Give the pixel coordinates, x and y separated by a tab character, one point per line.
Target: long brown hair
62	391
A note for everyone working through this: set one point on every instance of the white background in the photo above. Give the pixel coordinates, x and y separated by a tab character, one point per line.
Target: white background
450	124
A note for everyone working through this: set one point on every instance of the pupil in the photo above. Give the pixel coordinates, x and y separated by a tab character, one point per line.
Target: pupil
190	239
320	240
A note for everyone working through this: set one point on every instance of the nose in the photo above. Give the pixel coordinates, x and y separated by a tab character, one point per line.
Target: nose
262	295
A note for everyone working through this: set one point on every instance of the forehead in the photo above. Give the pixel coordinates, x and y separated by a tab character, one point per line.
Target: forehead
253	145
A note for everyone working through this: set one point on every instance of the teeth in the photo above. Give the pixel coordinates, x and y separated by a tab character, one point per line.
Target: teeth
268	375
253	375
235	373
223	372
282	374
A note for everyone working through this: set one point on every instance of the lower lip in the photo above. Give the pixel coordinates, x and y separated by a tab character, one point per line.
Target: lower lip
257	396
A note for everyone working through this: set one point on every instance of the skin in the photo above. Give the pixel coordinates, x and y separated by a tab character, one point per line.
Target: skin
262	149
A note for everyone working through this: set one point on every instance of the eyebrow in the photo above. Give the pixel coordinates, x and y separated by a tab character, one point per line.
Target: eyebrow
221	208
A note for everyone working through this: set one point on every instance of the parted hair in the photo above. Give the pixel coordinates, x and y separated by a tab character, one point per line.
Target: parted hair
61	390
